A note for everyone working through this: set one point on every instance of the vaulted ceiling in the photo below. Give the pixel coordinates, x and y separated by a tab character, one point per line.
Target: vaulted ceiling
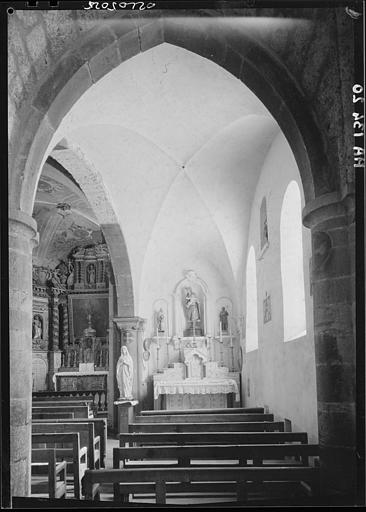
179	144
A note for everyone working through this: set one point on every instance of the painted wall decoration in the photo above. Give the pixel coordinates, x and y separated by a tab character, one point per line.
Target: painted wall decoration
80	306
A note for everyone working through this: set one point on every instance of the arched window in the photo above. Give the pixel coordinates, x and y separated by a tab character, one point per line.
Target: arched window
292	268
252	314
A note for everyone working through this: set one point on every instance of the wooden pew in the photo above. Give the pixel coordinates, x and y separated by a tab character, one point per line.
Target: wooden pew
77	455
259	454
190	438
204	418
227	410
62	403
52	415
100	429
86	433
44	463
208	427
126	481
80	411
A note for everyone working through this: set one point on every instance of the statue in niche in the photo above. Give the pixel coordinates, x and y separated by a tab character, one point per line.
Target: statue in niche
224	319
91	274
161	320
37	330
193	306
124	373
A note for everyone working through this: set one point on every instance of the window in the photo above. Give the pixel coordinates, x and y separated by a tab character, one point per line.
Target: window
292	271
252	314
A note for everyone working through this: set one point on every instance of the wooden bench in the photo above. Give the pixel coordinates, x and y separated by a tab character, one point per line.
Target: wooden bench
44	463
189	438
204	418
86	433
228	410
79	411
62	403
259	454
160	480
77	455
208	427
100	429
52	415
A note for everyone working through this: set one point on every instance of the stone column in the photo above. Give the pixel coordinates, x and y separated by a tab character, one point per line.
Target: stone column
23	237
54	354
333	295
131	334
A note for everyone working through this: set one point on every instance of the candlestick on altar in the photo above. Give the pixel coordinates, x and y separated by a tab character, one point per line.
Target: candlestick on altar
194	330
167	349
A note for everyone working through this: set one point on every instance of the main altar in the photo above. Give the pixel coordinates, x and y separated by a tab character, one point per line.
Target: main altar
195	369
197	382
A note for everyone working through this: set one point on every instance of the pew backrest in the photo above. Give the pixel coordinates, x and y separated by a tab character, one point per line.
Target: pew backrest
79	456
160	476
52	415
228	410
208	427
184	438
80	411
233	452
85	431
100	429
204	418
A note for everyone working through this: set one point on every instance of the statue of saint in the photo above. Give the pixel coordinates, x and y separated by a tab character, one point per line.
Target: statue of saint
91	274
160	318
124	374
37	328
193	306
224	319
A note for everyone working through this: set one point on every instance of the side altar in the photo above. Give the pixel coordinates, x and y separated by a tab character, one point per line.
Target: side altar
198	382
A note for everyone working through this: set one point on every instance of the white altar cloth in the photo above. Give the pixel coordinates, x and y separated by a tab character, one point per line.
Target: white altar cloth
196	387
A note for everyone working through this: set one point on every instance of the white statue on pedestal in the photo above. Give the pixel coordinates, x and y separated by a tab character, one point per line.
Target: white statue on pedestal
124	374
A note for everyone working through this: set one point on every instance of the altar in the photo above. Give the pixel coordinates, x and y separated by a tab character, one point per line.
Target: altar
197	383
195	394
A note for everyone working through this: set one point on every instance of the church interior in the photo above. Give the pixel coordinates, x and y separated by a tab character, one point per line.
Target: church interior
182	257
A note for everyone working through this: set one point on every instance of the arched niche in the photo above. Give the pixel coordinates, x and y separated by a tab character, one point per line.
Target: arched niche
181	305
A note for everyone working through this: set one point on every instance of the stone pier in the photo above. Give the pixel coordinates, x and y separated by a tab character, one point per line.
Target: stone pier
22	238
333	293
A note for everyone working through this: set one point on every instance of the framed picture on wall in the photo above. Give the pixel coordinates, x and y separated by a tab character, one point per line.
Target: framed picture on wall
83	304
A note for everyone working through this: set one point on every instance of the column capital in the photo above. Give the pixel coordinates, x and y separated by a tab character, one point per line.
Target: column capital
130	323
21	223
323	208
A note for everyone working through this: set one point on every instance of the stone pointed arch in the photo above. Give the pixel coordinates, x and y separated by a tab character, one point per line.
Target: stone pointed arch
92	185
101	50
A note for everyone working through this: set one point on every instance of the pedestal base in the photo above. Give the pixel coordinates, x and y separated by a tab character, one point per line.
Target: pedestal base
125	414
